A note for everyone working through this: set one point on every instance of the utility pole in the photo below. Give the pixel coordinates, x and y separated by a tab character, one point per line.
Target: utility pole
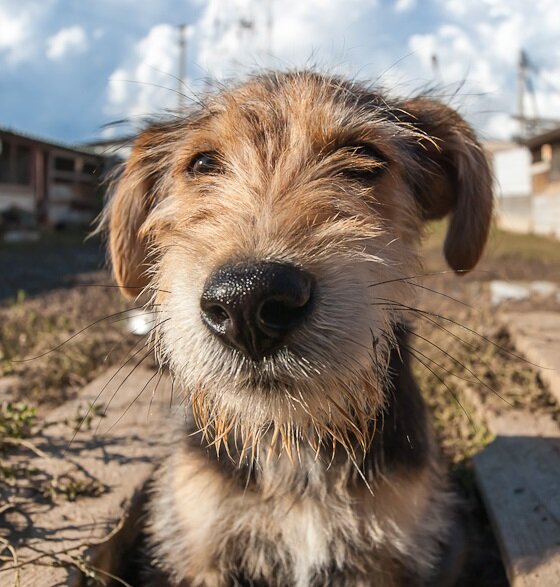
522	71
181	77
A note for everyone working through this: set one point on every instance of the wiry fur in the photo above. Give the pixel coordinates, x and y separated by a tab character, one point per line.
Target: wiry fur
303	423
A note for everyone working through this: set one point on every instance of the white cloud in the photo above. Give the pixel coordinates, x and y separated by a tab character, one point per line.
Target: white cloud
404	5
19	28
146	82
69	41
476	44
230	39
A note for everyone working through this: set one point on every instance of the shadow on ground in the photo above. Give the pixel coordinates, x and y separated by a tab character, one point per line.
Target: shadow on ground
52	262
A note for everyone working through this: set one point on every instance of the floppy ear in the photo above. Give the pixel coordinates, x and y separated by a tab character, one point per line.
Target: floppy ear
451	176
133	198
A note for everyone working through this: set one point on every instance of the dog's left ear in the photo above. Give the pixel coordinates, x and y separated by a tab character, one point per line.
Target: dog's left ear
450	175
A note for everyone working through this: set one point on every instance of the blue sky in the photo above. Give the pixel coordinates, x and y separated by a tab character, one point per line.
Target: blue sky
69	67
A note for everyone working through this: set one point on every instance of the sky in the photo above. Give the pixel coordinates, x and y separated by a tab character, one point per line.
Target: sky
70	70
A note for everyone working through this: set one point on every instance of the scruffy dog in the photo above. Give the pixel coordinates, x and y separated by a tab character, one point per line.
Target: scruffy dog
276	227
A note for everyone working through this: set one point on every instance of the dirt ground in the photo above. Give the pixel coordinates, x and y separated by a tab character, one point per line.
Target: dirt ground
56	261
462	341
42	305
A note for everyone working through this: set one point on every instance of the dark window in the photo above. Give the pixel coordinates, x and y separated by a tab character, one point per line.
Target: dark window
64	164
5	152
90	168
23	165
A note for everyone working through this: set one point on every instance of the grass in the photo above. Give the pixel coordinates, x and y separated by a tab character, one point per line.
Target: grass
502	379
38	346
508	255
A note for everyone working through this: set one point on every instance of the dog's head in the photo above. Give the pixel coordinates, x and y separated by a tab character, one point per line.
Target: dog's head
274	226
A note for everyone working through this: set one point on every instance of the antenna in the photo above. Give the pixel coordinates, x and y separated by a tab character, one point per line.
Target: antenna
522	70
535	123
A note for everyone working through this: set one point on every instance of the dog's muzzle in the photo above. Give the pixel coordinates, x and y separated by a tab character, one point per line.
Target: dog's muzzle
254	306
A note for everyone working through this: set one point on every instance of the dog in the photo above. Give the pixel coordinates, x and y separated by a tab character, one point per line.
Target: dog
275	227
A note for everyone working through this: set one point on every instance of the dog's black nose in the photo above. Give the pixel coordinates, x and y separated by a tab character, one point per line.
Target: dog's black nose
253	306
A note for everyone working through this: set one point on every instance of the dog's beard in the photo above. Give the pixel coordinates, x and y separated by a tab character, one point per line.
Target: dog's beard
267	411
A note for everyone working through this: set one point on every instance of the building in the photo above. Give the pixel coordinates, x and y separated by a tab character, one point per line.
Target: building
47	183
545	181
527	183
511	165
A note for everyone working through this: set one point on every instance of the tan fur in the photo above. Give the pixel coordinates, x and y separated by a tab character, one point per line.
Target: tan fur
286	191
197	513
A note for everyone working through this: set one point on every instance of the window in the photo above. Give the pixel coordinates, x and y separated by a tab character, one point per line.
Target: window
90	168
64	164
23	165
5	154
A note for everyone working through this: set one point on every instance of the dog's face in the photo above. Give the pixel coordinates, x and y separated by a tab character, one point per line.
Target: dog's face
275	226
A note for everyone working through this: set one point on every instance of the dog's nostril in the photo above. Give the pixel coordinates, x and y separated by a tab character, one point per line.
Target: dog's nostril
281	314
216	314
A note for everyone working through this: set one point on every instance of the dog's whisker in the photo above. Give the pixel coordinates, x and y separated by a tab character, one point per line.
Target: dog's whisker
439	293
462	365
419	275
135	399
160	370
453	395
436	363
116	373
132	354
420	311
140	288
76	334
119	387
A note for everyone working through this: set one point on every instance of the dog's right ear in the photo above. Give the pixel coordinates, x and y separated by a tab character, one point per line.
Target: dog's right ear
135	195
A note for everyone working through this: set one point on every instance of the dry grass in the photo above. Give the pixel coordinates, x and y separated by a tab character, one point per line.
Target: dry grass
452	357
466	358
40	332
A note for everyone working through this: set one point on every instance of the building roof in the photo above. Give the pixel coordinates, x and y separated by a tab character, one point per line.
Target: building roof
551	136
81	149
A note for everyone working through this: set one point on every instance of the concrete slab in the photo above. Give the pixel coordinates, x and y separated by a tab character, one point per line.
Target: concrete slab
519	473
537	336
53	539
519	480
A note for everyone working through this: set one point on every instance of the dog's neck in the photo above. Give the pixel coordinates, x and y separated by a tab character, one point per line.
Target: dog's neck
400	441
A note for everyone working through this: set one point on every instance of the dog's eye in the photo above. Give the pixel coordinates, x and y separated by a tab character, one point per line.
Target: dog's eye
366	163
204	163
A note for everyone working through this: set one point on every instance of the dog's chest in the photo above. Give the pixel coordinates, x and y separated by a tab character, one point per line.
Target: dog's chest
277	537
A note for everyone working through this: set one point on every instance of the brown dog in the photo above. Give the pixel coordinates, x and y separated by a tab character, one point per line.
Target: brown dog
276	226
